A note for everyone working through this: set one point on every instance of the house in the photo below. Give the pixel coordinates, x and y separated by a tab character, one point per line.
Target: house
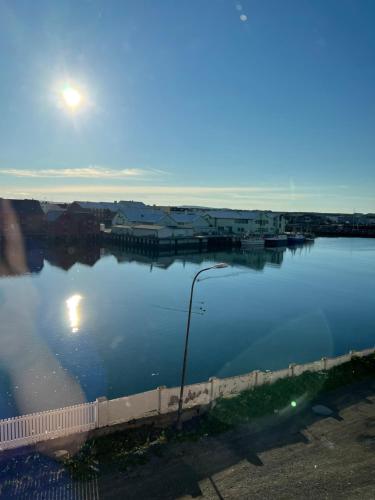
190	220
102	211
128	214
49	206
28	214
72	225
105	211
370	219
245	222
303	221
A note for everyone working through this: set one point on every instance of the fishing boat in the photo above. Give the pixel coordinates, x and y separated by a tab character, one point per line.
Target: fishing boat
295	239
252	242
309	237
279	240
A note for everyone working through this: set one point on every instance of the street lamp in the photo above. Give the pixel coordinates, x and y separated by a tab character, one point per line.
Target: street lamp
217	266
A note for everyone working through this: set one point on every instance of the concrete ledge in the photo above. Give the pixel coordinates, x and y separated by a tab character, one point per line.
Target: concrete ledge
157	407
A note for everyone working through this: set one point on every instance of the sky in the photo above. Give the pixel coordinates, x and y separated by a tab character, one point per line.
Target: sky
252	104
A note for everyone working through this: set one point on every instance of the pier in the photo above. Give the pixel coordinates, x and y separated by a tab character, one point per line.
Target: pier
152	243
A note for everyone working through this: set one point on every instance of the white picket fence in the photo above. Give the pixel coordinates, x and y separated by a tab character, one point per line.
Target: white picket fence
29	429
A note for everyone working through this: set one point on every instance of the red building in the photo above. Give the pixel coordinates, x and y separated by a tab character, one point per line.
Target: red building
103	211
28	214
72	225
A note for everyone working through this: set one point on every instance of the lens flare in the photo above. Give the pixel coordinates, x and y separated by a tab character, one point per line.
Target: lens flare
72	304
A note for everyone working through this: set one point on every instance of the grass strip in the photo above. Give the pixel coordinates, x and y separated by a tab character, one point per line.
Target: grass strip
125	449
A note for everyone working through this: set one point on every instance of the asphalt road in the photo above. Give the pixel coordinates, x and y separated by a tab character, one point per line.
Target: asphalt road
294	455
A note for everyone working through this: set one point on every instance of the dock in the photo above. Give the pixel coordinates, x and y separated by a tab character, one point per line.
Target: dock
152	243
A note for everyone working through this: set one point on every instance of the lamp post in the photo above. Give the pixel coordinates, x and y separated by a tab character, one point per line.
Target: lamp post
217	266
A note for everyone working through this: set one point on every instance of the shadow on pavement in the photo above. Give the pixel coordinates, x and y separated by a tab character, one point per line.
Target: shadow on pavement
183	466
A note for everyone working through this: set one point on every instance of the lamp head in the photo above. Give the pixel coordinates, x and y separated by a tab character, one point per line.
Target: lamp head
221	265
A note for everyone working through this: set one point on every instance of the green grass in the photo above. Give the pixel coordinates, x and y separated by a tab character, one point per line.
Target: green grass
133	447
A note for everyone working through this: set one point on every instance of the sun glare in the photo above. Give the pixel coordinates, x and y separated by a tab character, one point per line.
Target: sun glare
72	97
72	304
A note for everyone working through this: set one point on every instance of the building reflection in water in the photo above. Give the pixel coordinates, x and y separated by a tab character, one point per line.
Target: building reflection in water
256	259
66	256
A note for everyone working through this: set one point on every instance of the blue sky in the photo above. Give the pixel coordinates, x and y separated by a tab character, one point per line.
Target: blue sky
243	104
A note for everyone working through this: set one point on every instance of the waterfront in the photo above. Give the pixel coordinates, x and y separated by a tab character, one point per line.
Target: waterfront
115	320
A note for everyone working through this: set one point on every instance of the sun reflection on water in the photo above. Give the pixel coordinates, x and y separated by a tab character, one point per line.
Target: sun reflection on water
72	304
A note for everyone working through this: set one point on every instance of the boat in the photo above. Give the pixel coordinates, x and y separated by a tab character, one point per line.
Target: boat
295	239
309	237
252	242
279	240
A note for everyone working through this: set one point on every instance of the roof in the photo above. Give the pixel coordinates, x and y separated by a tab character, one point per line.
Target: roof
98	205
51	207
140	214
54	215
154	227
131	203
182	217
233	214
113	206
27	207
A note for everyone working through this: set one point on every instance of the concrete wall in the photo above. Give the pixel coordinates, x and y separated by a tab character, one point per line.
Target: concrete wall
182	232
157	231
128	408
161	401
164	400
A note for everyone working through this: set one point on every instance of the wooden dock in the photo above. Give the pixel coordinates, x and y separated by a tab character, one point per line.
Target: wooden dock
152	243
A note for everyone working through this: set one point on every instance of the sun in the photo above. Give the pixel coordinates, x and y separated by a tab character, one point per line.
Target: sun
72	97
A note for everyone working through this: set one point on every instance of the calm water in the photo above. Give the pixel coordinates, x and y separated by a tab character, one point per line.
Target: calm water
123	326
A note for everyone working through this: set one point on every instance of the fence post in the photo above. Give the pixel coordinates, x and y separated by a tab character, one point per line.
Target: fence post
102	419
159	389
212	390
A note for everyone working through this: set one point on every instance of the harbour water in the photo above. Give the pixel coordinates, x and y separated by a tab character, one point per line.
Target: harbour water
115	321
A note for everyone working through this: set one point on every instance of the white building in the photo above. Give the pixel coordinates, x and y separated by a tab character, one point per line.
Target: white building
128	215
152	230
245	222
190	220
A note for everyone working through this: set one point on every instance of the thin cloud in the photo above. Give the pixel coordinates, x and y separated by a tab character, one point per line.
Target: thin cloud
91	172
306	198
165	190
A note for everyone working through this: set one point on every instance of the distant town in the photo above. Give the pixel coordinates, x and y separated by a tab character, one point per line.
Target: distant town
134	222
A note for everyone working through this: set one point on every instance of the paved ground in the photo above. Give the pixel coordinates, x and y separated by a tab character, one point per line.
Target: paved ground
283	457
292	455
